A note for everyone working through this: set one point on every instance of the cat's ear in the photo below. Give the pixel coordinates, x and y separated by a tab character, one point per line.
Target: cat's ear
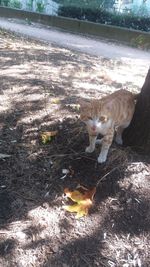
83	104
109	105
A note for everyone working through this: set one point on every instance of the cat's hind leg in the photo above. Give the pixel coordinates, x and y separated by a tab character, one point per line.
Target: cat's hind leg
119	132
92	141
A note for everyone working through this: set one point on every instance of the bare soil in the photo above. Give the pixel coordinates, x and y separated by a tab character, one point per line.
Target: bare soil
41	86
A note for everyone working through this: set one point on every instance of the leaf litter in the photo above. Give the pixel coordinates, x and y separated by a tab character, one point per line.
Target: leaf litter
83	201
46	137
116	232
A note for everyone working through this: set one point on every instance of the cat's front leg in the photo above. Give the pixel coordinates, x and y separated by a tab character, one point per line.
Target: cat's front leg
92	141
106	143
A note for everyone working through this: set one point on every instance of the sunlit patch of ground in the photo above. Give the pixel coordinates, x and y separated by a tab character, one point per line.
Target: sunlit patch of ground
41	86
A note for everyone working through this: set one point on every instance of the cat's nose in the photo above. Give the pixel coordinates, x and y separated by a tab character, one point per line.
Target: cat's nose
93	128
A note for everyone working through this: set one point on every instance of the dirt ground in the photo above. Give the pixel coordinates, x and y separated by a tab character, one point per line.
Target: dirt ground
41	86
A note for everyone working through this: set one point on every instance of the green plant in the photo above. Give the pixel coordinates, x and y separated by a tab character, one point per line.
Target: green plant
105	17
30	4
40	6
87	3
4	2
15	4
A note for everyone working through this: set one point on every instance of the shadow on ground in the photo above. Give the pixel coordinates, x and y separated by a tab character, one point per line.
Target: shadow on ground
40	87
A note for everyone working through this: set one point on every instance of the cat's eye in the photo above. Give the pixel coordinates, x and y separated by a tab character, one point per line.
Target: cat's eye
103	119
89	118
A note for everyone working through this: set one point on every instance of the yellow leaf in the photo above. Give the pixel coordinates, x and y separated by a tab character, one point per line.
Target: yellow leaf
55	101
83	200
47	136
81	210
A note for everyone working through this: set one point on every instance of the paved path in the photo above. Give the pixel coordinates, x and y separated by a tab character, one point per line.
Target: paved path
90	45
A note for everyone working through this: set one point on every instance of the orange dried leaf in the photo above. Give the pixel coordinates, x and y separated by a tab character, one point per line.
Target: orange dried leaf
75	195
83	201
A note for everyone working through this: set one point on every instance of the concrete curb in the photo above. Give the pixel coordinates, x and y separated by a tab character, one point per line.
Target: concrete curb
124	35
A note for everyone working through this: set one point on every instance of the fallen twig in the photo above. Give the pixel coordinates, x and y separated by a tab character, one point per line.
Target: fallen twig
103	177
25	197
3	156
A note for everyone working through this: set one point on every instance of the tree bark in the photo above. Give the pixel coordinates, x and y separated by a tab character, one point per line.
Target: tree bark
137	134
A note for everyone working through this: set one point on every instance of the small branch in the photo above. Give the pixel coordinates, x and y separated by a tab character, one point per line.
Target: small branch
103	177
24	197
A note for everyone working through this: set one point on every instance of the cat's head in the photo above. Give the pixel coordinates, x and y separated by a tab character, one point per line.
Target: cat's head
94	115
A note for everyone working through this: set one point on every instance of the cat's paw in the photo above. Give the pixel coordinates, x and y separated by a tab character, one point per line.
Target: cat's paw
89	149
102	158
99	141
119	140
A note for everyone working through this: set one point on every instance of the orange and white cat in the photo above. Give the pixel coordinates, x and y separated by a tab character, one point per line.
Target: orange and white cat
105	116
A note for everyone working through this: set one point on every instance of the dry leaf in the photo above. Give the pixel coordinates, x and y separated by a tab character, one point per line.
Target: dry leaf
55	101
2	156
83	200
47	136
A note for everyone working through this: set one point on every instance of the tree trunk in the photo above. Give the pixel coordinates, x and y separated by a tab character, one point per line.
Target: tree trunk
137	134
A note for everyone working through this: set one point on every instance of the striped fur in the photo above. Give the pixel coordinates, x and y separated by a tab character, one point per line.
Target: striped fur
105	116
